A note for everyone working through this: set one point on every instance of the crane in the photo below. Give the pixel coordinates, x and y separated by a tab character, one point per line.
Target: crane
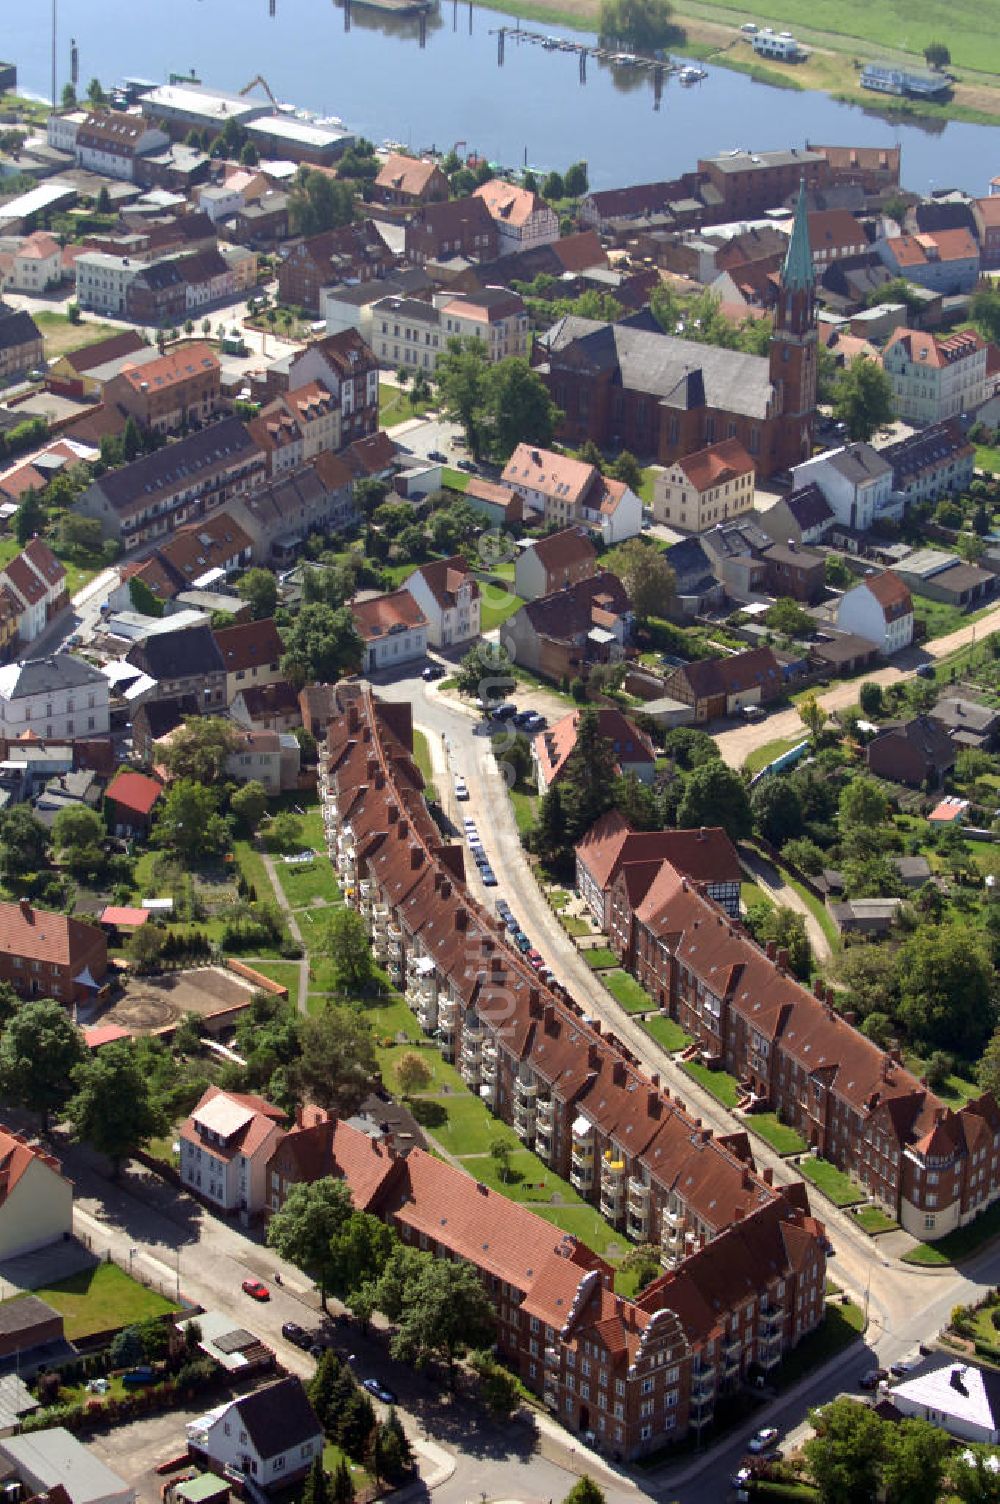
260	79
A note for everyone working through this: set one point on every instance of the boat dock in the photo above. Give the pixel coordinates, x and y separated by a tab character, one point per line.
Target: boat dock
658	67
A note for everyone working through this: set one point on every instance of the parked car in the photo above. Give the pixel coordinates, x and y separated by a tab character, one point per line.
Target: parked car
535	722
761	1440
503	712
521	941
469	465
433	671
292	1332
256	1289
536	958
461	787
503	908
379	1391
872	1378
489	877
740	1478
435	454
523	717
512	924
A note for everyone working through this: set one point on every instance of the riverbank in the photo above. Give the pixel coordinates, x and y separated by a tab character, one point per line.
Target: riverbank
833	66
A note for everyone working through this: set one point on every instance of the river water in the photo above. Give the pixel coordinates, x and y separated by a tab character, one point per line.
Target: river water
533	109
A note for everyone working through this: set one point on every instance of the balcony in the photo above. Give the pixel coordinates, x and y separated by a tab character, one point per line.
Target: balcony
552	1357
447	1013
527	1091
543	1141
546	1110
489	1052
581	1176
470	1072
772	1320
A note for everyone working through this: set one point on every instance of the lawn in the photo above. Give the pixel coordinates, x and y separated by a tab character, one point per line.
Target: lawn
531	1180
872	1220
942	619
455	480
332	1458
959	1244
575	926
832	1182
470	1128
627	991
600	958
842	1326
761	756
394	406
585	1223
285	973
62	338
101	1299
251	864
987	459
723	1087
752	893
668	1035
817	909
496	606
391	1018
783	1140
301	882
524	805
422	755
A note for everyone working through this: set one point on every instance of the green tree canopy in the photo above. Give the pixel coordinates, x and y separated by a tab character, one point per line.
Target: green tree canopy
947	996
318	202
24	843
321	645
647	576
777	809
716	795
862	398
444	1311
39	1049
303	1229
486	673
640	25
111	1107
346	943
845	1455
337	1064
260	588
189	822
200	749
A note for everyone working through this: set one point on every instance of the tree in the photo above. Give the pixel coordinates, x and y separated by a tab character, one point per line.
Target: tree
985	310
988	1068
359	1253
946	994
486	673
68	97
845	1455
549	838
862	803
553	187
318	202
627	469
355	1425
585	1491
589	775
975	1476
716	795
346	944
812	715
937	55
501	1150
390	1454
777	809
498	1388
575	181
200	749
862	398
260	588
284	832
913	1470
111	1107
515	408
189	822
95	93
639	25
412	1074
77	826
643	1260
342	1491
444	1311
24	843
788	617
79	534
871	698
303	1229
125	1349
39	1049
249	156
788	931
461	373
131	440
30	519
647	577
249	806
316	1489
321	645
337	1065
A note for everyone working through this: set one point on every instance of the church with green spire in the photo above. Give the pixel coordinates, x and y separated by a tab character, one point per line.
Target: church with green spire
793	344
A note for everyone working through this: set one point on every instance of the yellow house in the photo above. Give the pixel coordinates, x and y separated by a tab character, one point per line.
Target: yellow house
36	1199
83	373
702	489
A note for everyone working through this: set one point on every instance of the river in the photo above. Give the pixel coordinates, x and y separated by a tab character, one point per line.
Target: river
534	108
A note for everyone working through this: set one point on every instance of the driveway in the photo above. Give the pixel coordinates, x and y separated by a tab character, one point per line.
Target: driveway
767	876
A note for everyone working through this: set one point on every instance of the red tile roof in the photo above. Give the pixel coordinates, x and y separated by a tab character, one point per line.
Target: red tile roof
717	464
250	644
16	1157
187	360
705	855
891	594
570	546
554	747
386	613
39	935
445	577
135	792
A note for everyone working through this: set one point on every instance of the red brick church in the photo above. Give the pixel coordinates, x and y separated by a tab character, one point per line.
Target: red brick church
628	385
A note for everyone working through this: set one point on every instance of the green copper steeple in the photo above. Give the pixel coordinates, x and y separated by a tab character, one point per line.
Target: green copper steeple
798	273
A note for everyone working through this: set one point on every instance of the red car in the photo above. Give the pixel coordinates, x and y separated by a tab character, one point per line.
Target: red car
256	1289
536	958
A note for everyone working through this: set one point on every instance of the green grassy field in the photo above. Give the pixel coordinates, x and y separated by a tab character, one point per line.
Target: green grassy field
302	882
100	1299
872	1219
752	893
525	806
842	1326
783	1140
62	338
601	958
394	406
286	973
455	480
719	1084
585	1223
627	991
832	1182
987	458
496	606
761	756
668	1035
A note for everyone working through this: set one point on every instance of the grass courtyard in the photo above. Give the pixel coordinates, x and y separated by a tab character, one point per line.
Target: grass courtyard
100	1299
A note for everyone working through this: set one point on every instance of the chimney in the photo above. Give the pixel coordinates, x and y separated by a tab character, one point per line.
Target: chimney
404	829
482	1189
461	920
831	996
353	719
549	1017
534	1002
496	966
782	958
767	1175
445	888
819	989
372	768
593	1058
416	858
654	1107
850	1017
392	812
595	1024
380	779
618	1073
771	950
25	907
738	1214
655	1078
